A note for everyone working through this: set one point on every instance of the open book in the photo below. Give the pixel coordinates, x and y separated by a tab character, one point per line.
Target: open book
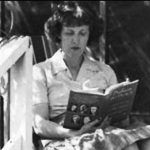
84	106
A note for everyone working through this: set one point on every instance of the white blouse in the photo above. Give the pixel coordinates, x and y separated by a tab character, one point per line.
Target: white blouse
52	81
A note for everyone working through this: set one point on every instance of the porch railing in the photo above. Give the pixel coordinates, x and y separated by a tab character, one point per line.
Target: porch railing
16	60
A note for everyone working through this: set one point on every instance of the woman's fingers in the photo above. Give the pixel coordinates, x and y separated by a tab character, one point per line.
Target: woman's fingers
93	123
88	127
106	122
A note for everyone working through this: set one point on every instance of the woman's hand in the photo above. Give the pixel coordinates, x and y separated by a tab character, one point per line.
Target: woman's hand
105	123
91	127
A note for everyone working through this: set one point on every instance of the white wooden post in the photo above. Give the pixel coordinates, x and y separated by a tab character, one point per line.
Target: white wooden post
17	56
21	98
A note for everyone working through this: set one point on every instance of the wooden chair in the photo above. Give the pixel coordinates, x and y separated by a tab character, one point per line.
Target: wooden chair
43	48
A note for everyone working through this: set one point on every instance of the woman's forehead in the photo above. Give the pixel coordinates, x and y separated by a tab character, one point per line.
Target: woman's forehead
83	27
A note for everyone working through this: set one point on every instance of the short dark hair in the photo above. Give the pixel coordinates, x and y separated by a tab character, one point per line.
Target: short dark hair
74	13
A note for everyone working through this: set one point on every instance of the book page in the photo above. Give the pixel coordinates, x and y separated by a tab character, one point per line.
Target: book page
115	86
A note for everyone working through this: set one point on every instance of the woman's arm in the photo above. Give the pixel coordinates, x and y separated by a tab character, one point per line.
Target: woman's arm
51	130
41	123
44	127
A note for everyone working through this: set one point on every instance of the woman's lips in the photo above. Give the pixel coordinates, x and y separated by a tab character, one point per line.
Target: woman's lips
75	48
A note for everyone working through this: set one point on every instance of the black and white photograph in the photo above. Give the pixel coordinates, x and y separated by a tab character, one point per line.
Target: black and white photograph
74	108
93	110
76	119
75	75
83	109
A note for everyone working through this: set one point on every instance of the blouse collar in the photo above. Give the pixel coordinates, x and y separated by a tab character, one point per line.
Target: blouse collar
58	63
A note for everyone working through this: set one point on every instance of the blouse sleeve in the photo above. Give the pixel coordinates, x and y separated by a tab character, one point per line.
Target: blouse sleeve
112	76
109	73
39	86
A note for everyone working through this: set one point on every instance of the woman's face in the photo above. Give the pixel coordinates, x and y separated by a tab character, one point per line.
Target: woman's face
74	40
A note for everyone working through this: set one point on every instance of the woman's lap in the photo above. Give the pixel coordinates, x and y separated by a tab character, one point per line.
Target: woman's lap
109	139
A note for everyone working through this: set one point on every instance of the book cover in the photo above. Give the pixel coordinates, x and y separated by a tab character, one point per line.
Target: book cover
84	107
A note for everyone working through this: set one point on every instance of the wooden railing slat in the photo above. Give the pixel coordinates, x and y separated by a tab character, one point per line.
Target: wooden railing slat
11	52
16	57
1	122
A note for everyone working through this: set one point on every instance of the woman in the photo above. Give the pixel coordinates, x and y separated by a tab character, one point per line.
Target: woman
73	27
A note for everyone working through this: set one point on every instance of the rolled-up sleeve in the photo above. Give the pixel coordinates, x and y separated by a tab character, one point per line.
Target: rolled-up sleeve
39	86
112	76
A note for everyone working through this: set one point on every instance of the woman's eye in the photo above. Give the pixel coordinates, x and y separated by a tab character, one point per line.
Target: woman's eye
83	33
69	33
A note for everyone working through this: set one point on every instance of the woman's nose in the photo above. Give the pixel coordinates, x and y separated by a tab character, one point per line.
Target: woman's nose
75	39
